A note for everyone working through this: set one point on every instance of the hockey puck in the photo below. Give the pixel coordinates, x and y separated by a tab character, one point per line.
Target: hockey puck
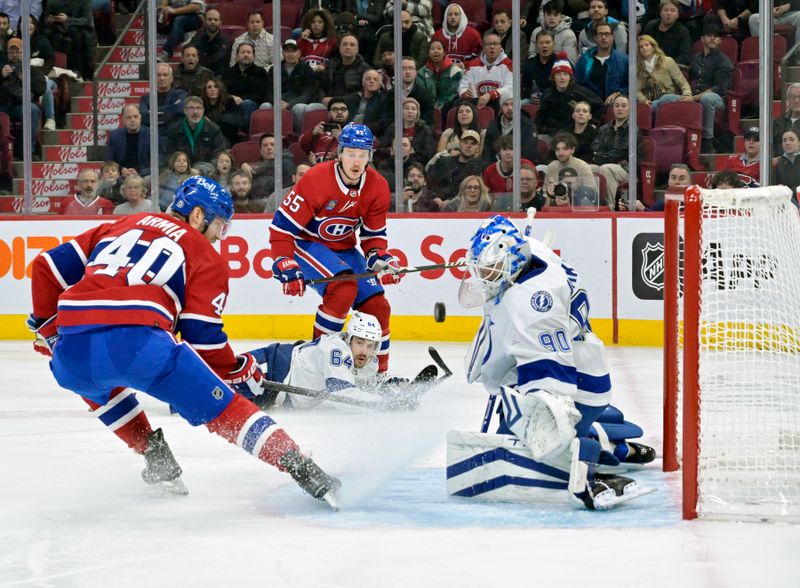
439	312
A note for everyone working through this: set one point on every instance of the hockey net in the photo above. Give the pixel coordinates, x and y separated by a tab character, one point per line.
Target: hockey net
732	352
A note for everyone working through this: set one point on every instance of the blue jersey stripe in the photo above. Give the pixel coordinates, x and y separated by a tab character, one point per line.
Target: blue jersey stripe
281	221
119	411
546	368
594	384
65	306
201	332
255	431
68	263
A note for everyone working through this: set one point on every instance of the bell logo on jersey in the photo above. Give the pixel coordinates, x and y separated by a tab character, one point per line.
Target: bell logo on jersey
337	228
542	301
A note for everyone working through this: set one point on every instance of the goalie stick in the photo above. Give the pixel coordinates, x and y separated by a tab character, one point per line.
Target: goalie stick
402	270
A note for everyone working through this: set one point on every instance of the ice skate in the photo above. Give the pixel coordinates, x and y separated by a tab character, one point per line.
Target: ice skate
639	454
311	478
162	469
609	490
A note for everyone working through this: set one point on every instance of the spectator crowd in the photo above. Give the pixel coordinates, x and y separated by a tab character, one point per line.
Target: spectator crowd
215	107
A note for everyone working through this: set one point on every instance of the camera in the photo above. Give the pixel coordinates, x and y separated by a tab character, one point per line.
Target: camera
414	188
328	126
562	189
17	67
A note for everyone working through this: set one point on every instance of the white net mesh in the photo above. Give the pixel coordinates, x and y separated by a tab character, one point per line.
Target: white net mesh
749	355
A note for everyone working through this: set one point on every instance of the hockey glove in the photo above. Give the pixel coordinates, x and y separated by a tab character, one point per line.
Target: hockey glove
290	275
385	265
246	378
46	334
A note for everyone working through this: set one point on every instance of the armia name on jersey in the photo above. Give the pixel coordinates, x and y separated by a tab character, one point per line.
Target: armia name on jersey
169	228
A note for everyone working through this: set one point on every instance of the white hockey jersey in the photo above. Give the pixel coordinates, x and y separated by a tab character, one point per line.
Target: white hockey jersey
538	336
326	363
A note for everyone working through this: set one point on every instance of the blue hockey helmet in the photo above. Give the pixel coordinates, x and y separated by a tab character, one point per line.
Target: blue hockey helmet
497	253
211	197
356	136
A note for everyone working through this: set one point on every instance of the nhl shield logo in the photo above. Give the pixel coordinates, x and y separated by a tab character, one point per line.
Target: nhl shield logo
652	268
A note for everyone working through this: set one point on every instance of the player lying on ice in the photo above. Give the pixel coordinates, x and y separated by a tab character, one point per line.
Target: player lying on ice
107	306
536	351
313	235
339	364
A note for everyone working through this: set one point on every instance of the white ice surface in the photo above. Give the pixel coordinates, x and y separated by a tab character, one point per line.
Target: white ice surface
74	511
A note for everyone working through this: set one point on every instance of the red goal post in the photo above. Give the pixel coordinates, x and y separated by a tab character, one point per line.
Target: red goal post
732	352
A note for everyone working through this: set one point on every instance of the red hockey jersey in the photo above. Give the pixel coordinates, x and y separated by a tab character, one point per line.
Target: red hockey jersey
322	208
144	269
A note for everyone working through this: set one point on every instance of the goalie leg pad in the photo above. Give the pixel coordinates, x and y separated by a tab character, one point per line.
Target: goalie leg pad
489	467
544	421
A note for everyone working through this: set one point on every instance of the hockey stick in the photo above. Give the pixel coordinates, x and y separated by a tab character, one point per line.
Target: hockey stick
278	387
487	416
402	270
437	359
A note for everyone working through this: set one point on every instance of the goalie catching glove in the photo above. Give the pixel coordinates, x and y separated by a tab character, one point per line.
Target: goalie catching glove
288	272
544	421
385	265
246	379
46	334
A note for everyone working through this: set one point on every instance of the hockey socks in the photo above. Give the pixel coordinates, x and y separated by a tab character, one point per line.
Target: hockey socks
336	303
243	424
125	417
379	307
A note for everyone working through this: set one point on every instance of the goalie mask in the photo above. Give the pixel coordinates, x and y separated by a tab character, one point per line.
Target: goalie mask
366	327
497	254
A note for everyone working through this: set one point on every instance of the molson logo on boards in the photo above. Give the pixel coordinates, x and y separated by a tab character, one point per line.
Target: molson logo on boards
110	105
38	206
71	154
124	71
113	89
61	171
81	137
48	187
134	54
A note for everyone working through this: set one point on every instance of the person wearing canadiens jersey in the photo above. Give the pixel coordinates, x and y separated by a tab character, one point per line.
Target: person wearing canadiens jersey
334	222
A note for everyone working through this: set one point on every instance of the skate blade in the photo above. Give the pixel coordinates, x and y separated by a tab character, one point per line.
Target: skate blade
608	499
174	487
333	500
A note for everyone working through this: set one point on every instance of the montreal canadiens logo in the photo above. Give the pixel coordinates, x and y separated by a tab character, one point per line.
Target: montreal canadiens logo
337	228
541	301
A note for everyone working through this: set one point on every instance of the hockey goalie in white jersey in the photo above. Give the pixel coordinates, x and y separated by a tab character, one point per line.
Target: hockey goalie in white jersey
535	351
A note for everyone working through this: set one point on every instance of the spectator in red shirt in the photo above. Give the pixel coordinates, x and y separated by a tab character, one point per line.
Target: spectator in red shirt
498	176
747	164
86	201
323	140
461	42
317	42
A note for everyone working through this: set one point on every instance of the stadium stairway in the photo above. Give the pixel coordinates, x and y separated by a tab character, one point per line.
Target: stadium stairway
66	152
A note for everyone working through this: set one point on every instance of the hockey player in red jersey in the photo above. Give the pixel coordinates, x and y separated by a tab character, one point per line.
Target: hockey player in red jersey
106	308
313	235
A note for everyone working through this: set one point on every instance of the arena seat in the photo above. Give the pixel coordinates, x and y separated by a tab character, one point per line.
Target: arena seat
246	152
263	121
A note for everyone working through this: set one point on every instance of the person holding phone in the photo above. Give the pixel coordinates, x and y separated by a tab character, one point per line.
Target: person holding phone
322	141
